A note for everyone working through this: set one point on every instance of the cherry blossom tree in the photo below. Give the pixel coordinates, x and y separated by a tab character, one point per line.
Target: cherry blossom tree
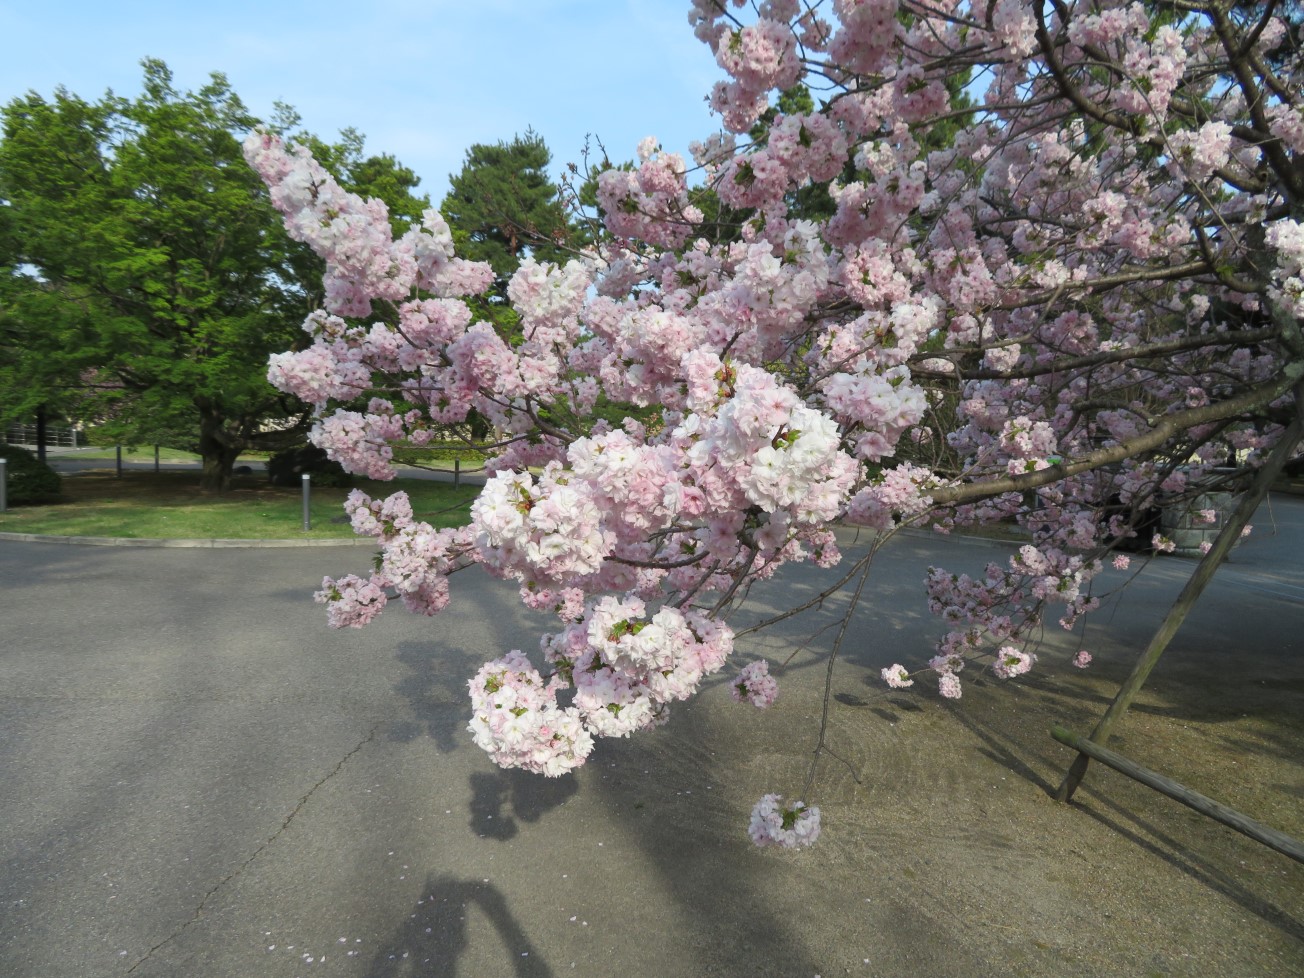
1062	279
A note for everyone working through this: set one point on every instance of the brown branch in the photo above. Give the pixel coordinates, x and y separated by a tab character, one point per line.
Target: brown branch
1069	90
658	564
1240	338
1166	273
1164	429
1274	151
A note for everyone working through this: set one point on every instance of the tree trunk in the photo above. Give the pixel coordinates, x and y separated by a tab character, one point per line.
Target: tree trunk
217	449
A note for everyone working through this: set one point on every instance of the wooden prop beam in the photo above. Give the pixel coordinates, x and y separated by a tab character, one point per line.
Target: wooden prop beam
1257	831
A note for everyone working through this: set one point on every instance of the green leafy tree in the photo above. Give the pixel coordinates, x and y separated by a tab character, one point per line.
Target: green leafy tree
145	277
503	205
161	281
32	381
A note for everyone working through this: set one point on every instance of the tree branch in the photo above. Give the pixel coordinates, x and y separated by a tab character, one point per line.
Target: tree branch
1166	428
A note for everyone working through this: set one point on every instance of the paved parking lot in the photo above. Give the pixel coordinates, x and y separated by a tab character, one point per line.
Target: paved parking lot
200	778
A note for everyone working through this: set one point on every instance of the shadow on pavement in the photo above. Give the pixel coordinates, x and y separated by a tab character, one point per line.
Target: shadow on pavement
1147	836
435	687
499	799
436	936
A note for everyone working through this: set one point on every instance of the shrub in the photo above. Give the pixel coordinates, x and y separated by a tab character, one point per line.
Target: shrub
29	480
287	468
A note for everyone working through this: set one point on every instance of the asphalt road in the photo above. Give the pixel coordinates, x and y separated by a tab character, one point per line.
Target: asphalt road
198	777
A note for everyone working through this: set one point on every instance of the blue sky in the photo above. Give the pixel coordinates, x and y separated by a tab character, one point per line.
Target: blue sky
421	79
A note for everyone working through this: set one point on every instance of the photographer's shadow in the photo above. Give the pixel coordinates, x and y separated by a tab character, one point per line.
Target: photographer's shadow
433	940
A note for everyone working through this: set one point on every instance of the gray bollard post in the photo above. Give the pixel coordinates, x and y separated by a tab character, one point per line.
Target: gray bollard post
307	491
4	484
119	450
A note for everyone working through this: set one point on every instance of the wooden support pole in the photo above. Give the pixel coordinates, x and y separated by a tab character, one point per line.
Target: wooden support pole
1231	532
1257	831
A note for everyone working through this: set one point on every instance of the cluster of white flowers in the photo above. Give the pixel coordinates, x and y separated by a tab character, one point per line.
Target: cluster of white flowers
775	824
516	719
550	528
625	668
1288	277
779	452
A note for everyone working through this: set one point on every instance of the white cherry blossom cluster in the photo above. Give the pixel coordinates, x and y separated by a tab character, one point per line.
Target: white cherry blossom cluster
550	526
755	685
516	720
790	825
621	669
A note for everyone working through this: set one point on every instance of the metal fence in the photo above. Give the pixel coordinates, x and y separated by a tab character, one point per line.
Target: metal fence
56	436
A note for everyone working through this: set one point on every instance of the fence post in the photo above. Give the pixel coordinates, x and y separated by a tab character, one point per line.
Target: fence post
4	484
307	491
156	460
119	456
457	471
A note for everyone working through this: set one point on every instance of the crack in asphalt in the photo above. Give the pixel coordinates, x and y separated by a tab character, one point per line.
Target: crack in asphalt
285	824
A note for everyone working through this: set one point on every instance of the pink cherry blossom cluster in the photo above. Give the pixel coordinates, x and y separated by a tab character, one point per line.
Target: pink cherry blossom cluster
351	601
651	203
790	825
363	260
1287	237
621	668
516	719
759	58
1057	296
755	685
1011	662
1199	152
414	564
897	676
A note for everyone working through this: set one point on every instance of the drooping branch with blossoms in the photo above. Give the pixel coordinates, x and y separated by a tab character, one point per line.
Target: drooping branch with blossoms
1060	277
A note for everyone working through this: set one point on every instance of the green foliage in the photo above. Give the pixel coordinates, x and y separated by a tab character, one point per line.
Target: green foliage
441	455
145	276
504	205
161	279
28	480
142	504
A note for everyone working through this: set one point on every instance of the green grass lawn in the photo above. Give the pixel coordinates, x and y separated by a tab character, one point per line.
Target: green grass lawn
171	505
434	456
